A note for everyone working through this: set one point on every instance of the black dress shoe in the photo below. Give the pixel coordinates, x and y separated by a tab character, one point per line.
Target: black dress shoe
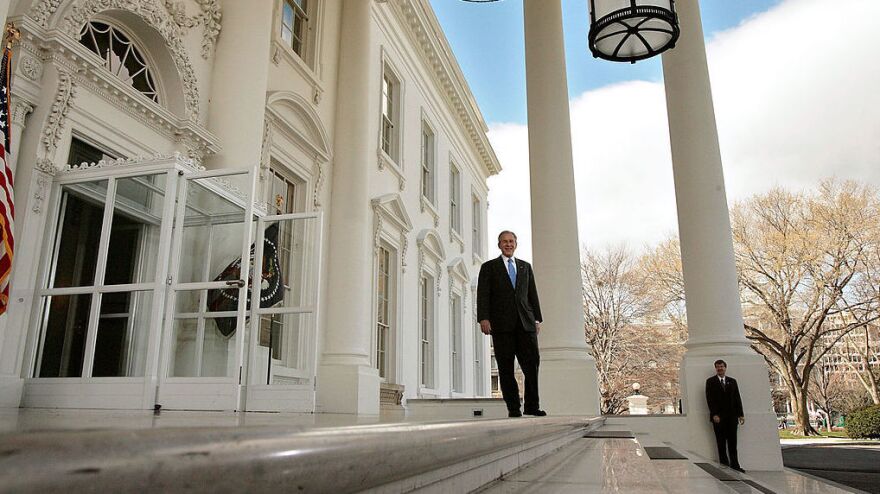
537	413
514	413
738	469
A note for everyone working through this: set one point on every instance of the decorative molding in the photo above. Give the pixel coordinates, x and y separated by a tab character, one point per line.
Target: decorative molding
31	68
280	51
46	166
60	108
137	160
157	17
41	191
377	230
43	10
403	250
20	111
265	154
384	161
319	182
429	208
426	34
209	17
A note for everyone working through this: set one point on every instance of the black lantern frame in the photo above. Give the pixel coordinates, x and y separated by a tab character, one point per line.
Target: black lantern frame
631	22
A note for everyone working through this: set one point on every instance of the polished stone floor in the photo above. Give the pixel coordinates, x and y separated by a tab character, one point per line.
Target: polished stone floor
593	465
609	465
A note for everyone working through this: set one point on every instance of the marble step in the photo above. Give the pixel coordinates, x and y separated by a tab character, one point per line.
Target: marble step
403	457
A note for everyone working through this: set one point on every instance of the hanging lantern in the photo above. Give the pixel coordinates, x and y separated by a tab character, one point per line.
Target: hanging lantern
632	30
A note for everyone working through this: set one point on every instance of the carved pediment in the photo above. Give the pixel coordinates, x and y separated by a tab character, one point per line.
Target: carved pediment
294	117
458	270
391	208
430	244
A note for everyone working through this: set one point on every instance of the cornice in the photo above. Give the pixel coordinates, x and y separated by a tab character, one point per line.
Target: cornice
425	31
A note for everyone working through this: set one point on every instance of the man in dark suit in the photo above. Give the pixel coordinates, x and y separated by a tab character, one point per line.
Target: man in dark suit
725	412
508	309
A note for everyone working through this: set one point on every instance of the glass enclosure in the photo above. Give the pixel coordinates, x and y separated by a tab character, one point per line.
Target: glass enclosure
148	271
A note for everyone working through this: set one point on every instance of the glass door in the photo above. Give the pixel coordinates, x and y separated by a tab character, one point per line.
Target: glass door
203	338
283	343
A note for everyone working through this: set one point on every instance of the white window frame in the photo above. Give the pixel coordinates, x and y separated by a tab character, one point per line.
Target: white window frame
428	163
477	223
456	343
382	358
454	199
427	323
392	157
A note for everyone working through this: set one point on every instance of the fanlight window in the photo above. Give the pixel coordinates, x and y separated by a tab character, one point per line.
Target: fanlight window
121	57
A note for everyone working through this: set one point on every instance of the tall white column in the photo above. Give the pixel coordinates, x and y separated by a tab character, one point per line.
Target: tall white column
715	324
567	381
347	380
239	81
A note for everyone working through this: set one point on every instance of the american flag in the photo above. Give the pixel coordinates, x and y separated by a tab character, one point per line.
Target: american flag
7	208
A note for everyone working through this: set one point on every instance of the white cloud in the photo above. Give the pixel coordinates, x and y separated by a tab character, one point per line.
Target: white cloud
797	98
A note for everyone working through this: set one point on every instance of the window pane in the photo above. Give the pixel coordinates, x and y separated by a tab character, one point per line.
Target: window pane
79	234
123	333
134	234
64	335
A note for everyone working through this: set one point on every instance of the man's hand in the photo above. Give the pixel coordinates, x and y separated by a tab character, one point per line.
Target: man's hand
538	327
485	327
716	419
742	421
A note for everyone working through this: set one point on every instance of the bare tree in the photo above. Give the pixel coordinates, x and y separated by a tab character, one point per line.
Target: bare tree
865	346
800	258
797	257
612	302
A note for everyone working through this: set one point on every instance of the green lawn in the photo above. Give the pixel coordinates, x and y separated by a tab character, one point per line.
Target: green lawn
786	434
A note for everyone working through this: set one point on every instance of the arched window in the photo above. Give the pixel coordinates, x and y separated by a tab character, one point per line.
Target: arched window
121	57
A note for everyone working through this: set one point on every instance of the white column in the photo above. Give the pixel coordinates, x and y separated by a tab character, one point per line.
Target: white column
715	324
347	380
239	80
567	381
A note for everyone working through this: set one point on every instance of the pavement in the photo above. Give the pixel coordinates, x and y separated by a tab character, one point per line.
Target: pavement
845	461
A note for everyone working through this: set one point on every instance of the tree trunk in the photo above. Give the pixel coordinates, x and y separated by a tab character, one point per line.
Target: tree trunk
874	391
800	411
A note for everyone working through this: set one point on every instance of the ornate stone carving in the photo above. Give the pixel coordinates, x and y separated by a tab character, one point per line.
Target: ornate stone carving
378	231
319	182
265	153
20	111
60	108
41	191
403	250
46	166
209	17
157	17
43	10
131	161
31	68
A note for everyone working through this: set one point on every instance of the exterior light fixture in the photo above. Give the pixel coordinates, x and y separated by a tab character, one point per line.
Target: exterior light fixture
636	388
632	30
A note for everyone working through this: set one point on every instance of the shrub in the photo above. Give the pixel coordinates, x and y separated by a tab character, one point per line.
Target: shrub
864	423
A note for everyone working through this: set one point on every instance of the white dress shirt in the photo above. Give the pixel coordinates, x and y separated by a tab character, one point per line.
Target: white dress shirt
505	263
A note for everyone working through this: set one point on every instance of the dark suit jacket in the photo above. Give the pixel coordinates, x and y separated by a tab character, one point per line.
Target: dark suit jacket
726	403
505	307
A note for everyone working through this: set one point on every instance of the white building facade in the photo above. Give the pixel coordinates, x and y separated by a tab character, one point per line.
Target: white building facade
155	142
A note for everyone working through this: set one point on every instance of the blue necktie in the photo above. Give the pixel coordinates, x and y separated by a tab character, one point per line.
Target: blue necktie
511	273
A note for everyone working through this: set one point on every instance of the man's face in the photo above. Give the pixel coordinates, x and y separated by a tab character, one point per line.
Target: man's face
720	370
507	244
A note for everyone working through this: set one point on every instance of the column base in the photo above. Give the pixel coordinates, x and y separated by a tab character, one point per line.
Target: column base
348	388
11	388
757	440
567	383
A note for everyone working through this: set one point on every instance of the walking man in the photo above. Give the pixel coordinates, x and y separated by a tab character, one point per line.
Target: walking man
509	311
726	413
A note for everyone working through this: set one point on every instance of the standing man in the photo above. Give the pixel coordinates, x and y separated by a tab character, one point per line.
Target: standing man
508	309
726	412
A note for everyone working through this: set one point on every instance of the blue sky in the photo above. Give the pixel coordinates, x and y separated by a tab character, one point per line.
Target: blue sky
488	41
794	90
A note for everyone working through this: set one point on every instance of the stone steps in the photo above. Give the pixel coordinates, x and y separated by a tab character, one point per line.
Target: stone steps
403	457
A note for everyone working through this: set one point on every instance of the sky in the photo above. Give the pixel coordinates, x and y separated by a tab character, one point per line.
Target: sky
796	89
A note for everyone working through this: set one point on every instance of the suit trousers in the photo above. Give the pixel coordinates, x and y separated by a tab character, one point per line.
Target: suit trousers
524	347
725	437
